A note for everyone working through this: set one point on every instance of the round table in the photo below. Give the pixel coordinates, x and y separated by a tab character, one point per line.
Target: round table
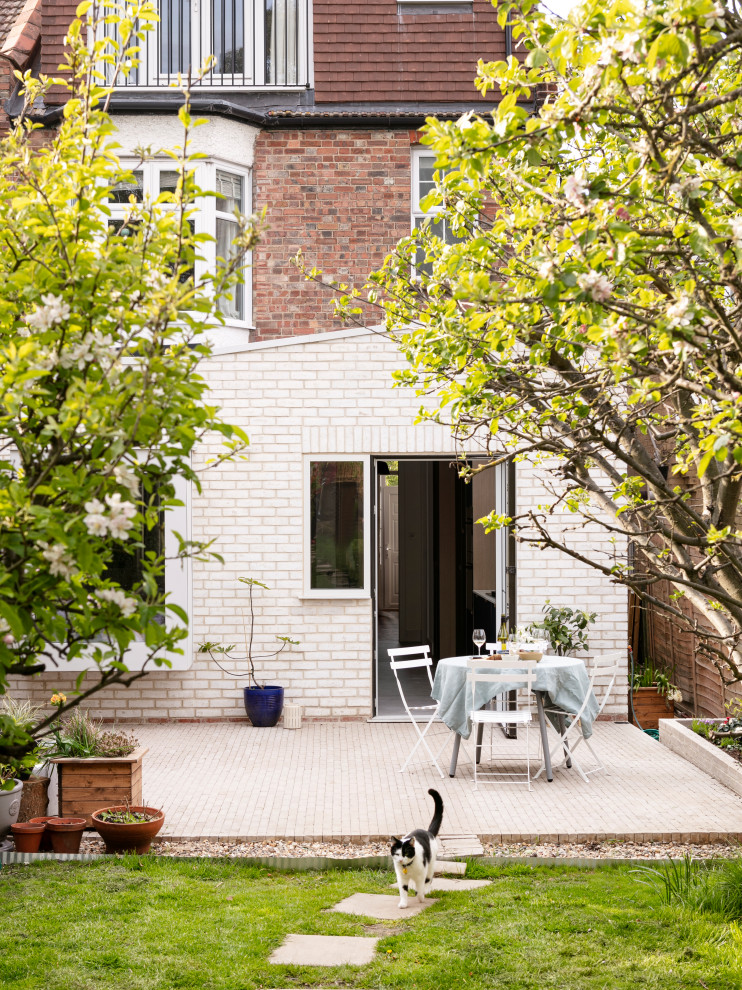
563	680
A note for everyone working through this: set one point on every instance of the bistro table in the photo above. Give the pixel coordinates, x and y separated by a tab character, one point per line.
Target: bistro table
563	680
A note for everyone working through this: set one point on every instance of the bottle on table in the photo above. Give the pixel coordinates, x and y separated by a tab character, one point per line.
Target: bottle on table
502	635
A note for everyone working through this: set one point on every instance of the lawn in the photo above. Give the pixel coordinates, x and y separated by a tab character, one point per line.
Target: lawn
143	922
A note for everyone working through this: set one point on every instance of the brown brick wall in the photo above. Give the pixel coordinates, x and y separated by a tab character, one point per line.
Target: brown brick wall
343	198
57	15
367	51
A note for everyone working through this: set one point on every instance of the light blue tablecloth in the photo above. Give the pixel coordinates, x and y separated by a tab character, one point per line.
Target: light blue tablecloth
564	679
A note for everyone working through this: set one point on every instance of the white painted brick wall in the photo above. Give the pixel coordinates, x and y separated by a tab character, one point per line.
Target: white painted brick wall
327	395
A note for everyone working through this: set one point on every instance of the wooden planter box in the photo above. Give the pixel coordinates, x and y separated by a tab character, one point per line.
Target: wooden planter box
85	785
649	708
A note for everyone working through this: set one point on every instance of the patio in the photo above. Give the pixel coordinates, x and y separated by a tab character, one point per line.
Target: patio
340	780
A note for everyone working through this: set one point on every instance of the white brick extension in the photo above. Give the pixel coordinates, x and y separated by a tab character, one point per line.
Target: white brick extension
325	394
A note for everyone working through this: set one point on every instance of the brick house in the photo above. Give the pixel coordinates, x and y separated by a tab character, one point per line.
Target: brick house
347	510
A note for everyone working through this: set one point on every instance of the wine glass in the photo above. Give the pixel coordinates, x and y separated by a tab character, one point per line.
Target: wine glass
479	638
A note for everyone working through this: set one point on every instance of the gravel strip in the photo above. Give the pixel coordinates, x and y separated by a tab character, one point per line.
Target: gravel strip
347	850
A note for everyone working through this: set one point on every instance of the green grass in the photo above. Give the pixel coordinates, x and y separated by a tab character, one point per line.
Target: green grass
211	924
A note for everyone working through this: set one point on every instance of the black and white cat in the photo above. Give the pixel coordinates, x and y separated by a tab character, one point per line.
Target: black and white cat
414	856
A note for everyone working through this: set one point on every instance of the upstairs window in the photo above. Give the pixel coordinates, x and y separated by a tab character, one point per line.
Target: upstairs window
423	182
255	43
214	216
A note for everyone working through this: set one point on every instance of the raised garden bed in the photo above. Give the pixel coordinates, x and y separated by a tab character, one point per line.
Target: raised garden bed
678	735
86	785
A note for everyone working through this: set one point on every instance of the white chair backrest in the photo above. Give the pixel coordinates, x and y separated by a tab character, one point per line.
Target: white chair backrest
517	672
415	656
604	668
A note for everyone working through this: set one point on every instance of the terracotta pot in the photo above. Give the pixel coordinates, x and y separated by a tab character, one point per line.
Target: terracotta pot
46	836
132	837
65	834
27	836
34	798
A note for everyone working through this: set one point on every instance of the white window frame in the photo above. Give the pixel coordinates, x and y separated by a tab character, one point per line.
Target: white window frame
334	593
204	217
178	587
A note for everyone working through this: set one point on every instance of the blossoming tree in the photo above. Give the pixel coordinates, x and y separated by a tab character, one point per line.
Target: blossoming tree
101	335
590	313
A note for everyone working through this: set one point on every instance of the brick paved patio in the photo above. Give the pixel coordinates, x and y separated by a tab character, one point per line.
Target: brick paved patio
333	780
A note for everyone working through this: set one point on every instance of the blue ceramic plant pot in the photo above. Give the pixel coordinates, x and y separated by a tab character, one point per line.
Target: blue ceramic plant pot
264	705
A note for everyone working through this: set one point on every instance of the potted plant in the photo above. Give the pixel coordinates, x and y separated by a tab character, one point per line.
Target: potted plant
25	715
565	628
652	697
94	765
128	828
263	702
10	798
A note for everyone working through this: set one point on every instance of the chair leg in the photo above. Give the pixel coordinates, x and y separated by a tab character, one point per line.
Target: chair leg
422	740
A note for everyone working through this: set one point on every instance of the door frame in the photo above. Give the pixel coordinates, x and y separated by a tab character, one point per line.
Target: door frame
504	542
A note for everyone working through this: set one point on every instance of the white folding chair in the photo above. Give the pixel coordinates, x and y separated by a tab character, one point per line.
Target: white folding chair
605	669
415	657
514	674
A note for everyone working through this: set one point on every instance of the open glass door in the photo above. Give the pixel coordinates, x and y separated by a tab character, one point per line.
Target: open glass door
437	573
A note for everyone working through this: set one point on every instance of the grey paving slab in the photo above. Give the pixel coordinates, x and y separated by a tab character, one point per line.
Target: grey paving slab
324	950
453	883
380	906
340	781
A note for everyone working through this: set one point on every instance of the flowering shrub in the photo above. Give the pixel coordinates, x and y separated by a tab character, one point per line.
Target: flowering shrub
586	317
101	337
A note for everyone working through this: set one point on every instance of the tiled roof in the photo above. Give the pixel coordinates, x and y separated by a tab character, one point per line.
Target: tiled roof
369	110
9	11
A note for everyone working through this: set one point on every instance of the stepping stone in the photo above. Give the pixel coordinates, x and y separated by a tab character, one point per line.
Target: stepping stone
445	867
452	883
461	845
380	906
324	950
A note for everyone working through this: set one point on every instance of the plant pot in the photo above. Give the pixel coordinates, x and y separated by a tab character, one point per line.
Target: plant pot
65	834
263	705
46	841
34	798
648	707
10	805
128	837
27	836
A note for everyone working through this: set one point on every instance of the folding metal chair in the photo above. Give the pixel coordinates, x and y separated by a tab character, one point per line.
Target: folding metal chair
514	674
603	668
416	657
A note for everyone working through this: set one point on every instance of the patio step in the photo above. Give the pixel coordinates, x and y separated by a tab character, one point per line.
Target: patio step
460	845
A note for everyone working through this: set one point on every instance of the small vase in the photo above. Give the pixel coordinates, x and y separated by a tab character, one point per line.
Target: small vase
66	834
27	836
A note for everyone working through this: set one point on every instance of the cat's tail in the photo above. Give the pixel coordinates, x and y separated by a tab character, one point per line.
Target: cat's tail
437	814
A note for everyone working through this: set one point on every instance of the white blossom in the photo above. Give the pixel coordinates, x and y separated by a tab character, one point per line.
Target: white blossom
54	310
736	226
576	189
674	694
715	17
95	521
590	75
547	268
122	513
61	563
126	477
599	287
677	314
687	187
116	596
